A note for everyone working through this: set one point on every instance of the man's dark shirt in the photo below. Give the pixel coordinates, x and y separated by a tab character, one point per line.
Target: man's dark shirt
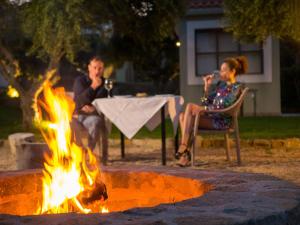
84	94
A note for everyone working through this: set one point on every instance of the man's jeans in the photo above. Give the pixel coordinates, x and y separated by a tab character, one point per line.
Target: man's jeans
93	125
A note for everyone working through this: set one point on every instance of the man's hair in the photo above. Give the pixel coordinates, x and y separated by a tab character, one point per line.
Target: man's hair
96	58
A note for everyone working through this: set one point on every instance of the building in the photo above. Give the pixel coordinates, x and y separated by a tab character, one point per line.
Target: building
204	44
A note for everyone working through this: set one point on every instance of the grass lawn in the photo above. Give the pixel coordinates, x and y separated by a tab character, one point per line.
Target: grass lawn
10	120
250	127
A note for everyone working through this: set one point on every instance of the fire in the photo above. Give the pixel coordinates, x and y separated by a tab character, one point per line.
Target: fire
104	209
71	176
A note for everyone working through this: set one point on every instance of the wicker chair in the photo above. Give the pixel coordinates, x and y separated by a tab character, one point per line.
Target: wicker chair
232	111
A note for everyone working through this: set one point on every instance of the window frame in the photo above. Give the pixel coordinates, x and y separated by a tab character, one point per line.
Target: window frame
217	52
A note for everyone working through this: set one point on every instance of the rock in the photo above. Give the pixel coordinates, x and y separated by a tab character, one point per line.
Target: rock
184	196
199	140
206	143
31	155
246	143
277	143
218	143
156	143
15	140
292	143
262	143
28	154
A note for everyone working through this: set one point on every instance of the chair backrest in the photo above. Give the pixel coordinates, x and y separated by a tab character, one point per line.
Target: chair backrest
234	109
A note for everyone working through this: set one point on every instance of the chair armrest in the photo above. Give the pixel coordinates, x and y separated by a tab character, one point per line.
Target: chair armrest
229	111
216	110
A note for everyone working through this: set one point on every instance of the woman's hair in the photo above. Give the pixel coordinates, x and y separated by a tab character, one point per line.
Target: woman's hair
240	64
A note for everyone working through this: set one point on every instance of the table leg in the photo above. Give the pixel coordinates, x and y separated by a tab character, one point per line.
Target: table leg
104	140
176	141
254	104
163	136
122	145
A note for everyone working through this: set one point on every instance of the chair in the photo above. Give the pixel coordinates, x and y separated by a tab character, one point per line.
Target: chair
83	133
102	142
232	111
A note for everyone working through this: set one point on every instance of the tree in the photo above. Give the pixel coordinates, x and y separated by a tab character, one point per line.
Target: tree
35	35
144	34
258	19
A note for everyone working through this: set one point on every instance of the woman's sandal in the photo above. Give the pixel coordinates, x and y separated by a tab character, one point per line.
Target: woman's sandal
185	160
183	148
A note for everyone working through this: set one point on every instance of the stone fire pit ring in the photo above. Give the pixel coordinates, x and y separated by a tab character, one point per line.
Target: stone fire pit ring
232	198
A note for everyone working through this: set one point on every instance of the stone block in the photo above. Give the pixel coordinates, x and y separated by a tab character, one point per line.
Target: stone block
245	143
31	155
206	143
17	139
218	143
172	197
292	143
277	143
264	143
199	141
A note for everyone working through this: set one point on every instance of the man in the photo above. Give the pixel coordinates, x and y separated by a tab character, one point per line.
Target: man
87	88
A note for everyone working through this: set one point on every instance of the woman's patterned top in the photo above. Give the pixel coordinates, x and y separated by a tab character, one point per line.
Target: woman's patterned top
221	97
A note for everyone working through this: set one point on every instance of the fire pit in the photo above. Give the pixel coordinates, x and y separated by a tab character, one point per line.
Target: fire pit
144	195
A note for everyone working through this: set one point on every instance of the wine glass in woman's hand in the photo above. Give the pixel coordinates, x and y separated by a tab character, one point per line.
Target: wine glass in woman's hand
216	74
108	85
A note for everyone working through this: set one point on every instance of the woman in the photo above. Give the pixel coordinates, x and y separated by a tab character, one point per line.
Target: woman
223	95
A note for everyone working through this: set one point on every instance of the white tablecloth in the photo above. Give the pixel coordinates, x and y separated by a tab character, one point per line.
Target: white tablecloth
130	114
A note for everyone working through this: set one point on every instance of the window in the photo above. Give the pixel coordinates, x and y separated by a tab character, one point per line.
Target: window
214	45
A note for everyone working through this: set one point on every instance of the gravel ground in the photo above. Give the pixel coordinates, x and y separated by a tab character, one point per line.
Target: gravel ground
283	163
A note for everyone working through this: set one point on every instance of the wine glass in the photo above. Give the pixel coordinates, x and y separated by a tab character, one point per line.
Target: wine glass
216	74
108	85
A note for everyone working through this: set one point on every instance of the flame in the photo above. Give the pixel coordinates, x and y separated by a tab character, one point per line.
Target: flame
12	92
104	209
69	171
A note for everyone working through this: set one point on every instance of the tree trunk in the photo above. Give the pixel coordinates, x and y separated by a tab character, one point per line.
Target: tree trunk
8	70
26	102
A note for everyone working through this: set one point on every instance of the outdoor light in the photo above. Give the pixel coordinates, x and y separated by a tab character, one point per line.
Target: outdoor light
108	71
178	43
12	92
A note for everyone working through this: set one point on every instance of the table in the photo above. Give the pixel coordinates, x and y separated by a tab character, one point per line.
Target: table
130	114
